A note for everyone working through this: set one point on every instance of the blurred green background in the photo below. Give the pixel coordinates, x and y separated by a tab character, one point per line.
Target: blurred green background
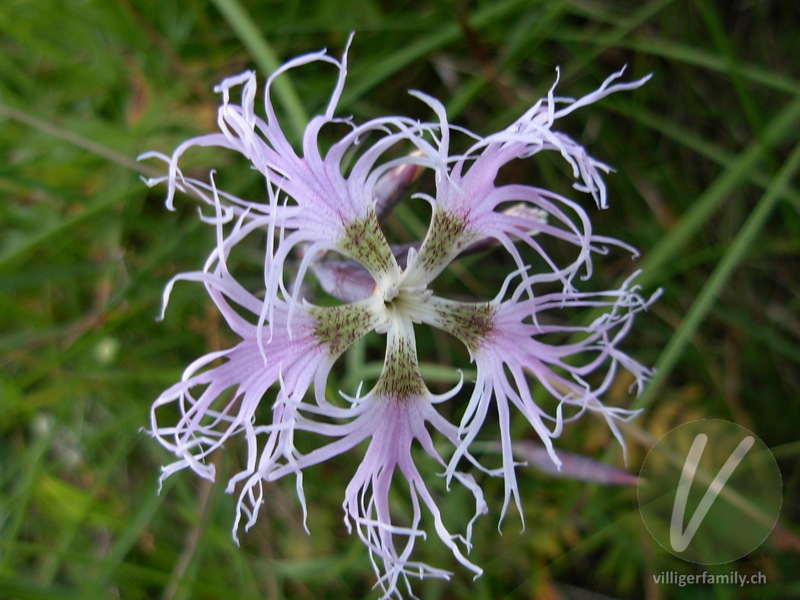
706	157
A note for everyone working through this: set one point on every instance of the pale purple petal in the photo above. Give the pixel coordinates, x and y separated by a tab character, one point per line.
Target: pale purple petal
467	201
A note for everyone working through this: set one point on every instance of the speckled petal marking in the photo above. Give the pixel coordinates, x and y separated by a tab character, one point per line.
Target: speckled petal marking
470	322
400	378
363	240
338	327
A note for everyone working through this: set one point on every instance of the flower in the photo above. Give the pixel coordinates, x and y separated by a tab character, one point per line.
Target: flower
319	205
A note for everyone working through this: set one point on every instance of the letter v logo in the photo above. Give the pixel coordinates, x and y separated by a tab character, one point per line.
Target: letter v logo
709	491
679	540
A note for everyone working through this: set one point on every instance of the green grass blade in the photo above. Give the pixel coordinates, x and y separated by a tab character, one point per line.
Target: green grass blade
708	295
267	60
738	170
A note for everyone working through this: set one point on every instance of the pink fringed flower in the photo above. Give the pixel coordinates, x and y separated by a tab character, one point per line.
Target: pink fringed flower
316	203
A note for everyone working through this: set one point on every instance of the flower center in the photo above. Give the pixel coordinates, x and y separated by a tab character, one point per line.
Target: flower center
402	300
390	293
